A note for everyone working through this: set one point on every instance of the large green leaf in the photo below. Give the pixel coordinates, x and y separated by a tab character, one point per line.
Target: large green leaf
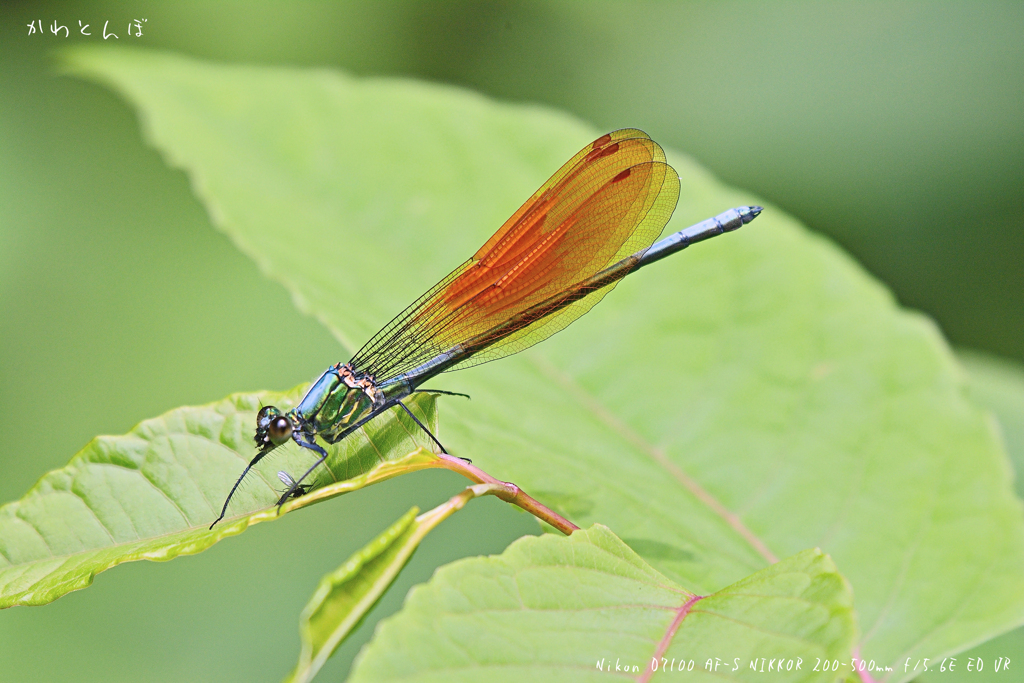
151	494
998	385
571	609
756	396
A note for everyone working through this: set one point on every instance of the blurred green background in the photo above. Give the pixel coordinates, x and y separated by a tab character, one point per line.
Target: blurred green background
893	128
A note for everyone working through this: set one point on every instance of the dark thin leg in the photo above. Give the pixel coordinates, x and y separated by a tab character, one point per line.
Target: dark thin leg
432	437
223	510
313	447
316	449
438	391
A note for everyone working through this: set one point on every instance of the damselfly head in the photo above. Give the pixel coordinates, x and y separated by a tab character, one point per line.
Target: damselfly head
272	427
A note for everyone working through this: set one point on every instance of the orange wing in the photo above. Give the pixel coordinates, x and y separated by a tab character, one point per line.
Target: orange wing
609	201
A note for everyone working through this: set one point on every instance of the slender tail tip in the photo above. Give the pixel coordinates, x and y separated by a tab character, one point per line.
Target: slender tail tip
749	213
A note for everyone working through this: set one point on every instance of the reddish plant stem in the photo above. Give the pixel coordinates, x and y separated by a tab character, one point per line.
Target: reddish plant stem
509	492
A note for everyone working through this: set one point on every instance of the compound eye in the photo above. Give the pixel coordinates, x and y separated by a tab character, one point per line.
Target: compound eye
279	430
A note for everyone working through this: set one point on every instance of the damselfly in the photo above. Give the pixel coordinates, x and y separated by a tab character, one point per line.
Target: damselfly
586	228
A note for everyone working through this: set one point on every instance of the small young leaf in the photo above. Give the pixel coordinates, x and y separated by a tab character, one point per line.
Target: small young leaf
345	595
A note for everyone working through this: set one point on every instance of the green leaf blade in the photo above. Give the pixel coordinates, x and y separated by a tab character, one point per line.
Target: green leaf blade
151	494
553	608
345	596
998	385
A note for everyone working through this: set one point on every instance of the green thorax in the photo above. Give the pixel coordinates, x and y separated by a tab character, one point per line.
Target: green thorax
338	400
